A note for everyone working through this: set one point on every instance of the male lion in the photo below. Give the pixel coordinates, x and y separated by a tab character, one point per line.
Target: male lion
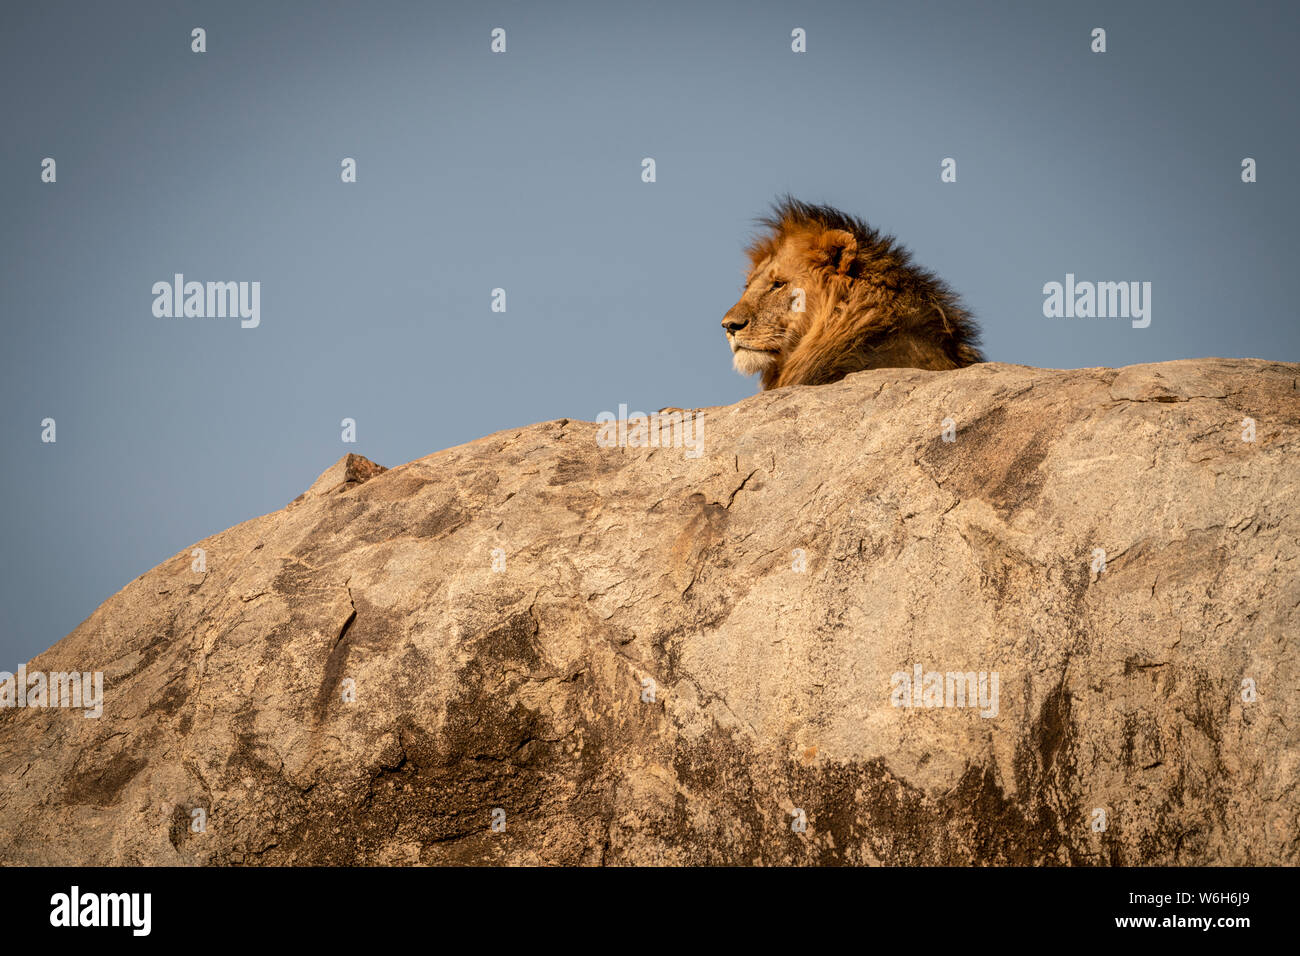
827	295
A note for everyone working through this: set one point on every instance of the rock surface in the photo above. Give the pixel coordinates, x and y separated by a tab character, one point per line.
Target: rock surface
631	655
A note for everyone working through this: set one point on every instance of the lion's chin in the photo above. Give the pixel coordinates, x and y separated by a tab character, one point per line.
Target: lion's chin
752	361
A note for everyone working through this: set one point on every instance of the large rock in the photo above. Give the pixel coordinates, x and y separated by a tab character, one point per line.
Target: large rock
643	674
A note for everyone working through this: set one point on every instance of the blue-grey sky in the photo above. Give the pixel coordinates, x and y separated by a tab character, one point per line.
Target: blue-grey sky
522	171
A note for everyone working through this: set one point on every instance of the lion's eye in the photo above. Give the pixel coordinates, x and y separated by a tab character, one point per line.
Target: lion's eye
776	284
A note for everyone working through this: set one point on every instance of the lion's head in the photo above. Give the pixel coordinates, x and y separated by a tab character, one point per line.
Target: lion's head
827	295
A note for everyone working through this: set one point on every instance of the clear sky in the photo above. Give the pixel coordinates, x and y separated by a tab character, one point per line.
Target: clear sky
522	171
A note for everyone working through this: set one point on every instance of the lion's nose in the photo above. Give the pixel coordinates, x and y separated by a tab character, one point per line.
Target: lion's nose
733	324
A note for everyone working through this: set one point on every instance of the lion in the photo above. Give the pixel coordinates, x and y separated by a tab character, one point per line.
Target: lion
827	295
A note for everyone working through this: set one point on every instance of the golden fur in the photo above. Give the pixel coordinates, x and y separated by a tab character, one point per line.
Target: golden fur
865	304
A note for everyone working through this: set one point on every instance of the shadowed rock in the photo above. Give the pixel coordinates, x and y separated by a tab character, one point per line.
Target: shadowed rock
637	656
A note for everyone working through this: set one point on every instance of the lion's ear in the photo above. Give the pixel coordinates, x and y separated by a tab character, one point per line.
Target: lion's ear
836	248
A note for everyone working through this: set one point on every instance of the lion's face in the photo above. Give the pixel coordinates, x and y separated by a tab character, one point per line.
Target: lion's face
762	327
827	295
